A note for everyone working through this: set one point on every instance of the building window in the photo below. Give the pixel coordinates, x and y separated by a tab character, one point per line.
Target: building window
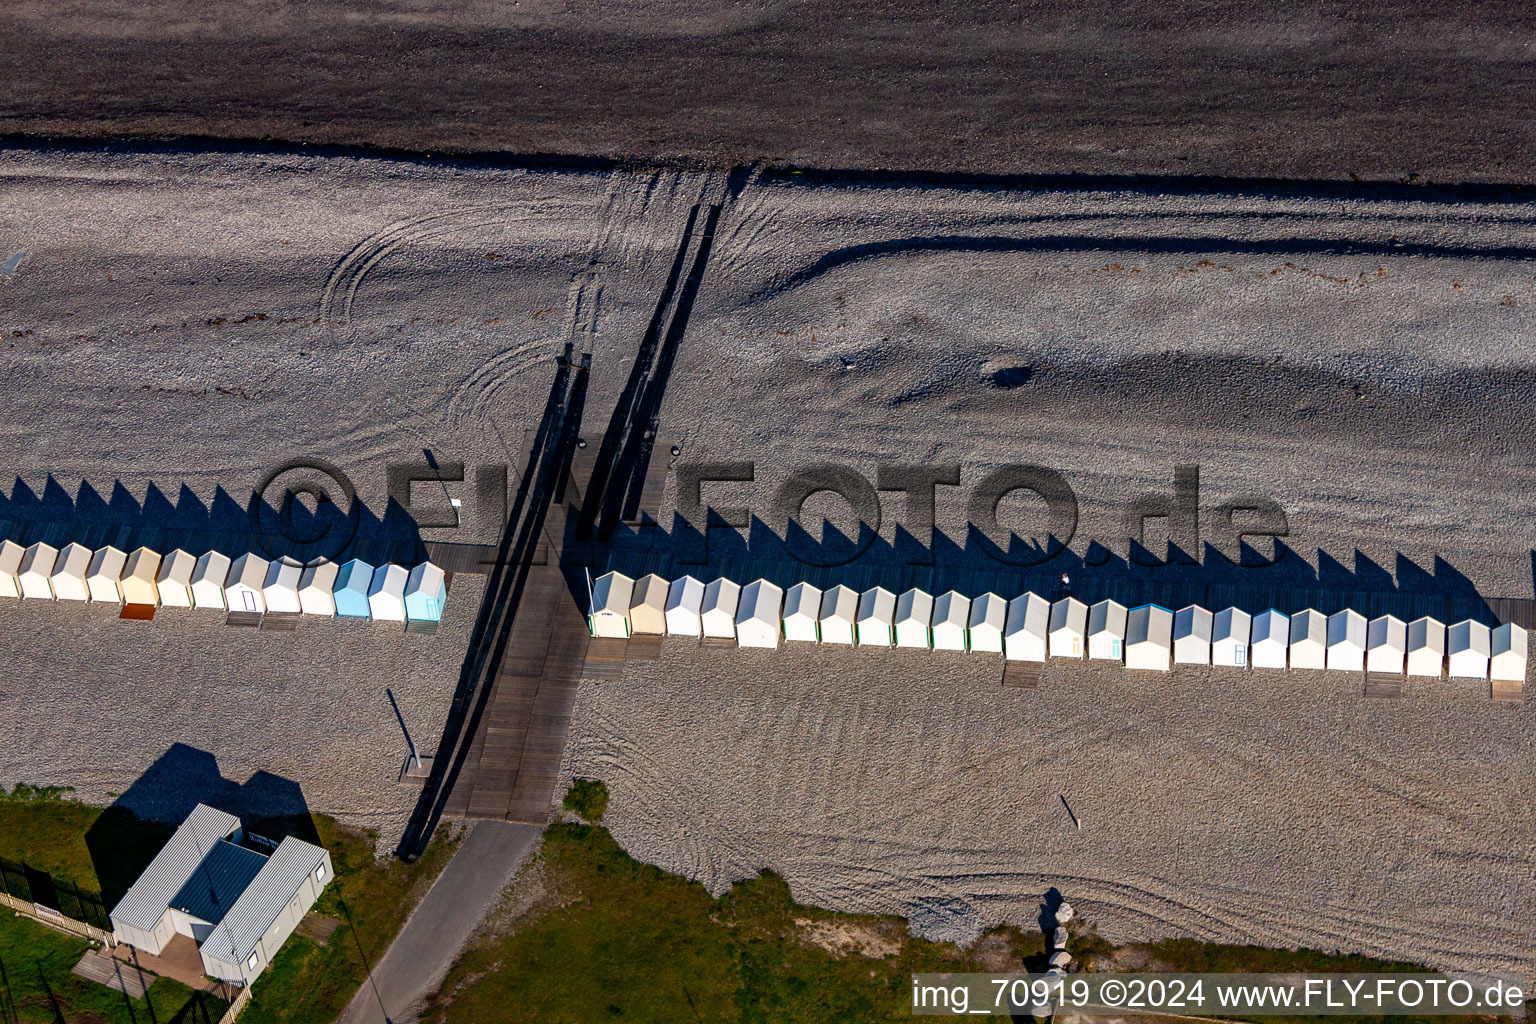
251	963
320	873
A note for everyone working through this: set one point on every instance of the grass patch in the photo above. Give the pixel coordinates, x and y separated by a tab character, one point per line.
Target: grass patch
615	939
36	985
587	798
371	898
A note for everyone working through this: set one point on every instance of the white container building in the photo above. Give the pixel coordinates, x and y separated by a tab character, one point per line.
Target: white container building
280	586
951	616
1507	663
914	619
876	617
648	606
1309	639
685	600
839	611
1468	646
386	594
1426	647
36	571
317	589
1230	632
609	614
69	573
1386	644
1192	628
208	577
1149	637
10	566
757	615
174	580
1270	639
717	613
1069	628
104	574
989	614
138	579
1346	641
1106	631
802	610
1026	631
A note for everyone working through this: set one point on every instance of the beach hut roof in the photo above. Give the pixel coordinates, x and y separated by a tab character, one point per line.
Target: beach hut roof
611	594
1347	628
355	576
839	603
802	602
877	605
915	606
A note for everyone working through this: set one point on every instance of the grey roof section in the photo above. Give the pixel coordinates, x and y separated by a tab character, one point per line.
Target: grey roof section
148	898
269	892
218	882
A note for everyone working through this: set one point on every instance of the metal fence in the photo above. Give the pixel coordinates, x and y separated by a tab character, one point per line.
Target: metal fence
32	886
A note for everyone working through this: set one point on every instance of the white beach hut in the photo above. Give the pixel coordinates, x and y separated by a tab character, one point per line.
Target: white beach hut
1106	631
951	616
1026	631
1507	663
1346	641
1426	647
104	573
69	573
914	619
317	589
1069	628
802	609
386	594
1386	644
717	613
1468	646
1149	637
1192	626
685	598
1270	639
138	579
648	606
208	577
280	586
174	580
1230	631
609	614
10	566
757	614
989	614
36	571
244	586
1309	639
876	617
839	610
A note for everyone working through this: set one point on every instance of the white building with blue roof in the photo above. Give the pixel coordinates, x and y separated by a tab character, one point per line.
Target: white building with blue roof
213	885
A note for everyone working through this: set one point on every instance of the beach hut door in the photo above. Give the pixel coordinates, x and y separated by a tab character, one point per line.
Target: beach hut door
1240	654
248	599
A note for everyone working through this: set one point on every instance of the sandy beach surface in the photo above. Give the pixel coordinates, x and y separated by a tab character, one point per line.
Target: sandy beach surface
178	324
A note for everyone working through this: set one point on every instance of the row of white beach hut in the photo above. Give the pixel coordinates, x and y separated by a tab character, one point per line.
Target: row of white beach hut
1030	628
247	583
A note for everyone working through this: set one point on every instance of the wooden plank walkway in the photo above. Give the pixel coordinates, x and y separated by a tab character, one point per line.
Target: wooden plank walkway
1383	684
514	757
114	974
605	658
1022	675
1503	690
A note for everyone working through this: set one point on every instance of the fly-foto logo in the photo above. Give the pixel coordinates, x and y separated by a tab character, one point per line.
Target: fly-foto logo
1229	526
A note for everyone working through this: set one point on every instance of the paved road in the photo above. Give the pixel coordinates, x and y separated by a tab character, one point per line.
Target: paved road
455	906
1307	89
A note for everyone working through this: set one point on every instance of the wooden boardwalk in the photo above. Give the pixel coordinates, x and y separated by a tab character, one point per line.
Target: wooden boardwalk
514	757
